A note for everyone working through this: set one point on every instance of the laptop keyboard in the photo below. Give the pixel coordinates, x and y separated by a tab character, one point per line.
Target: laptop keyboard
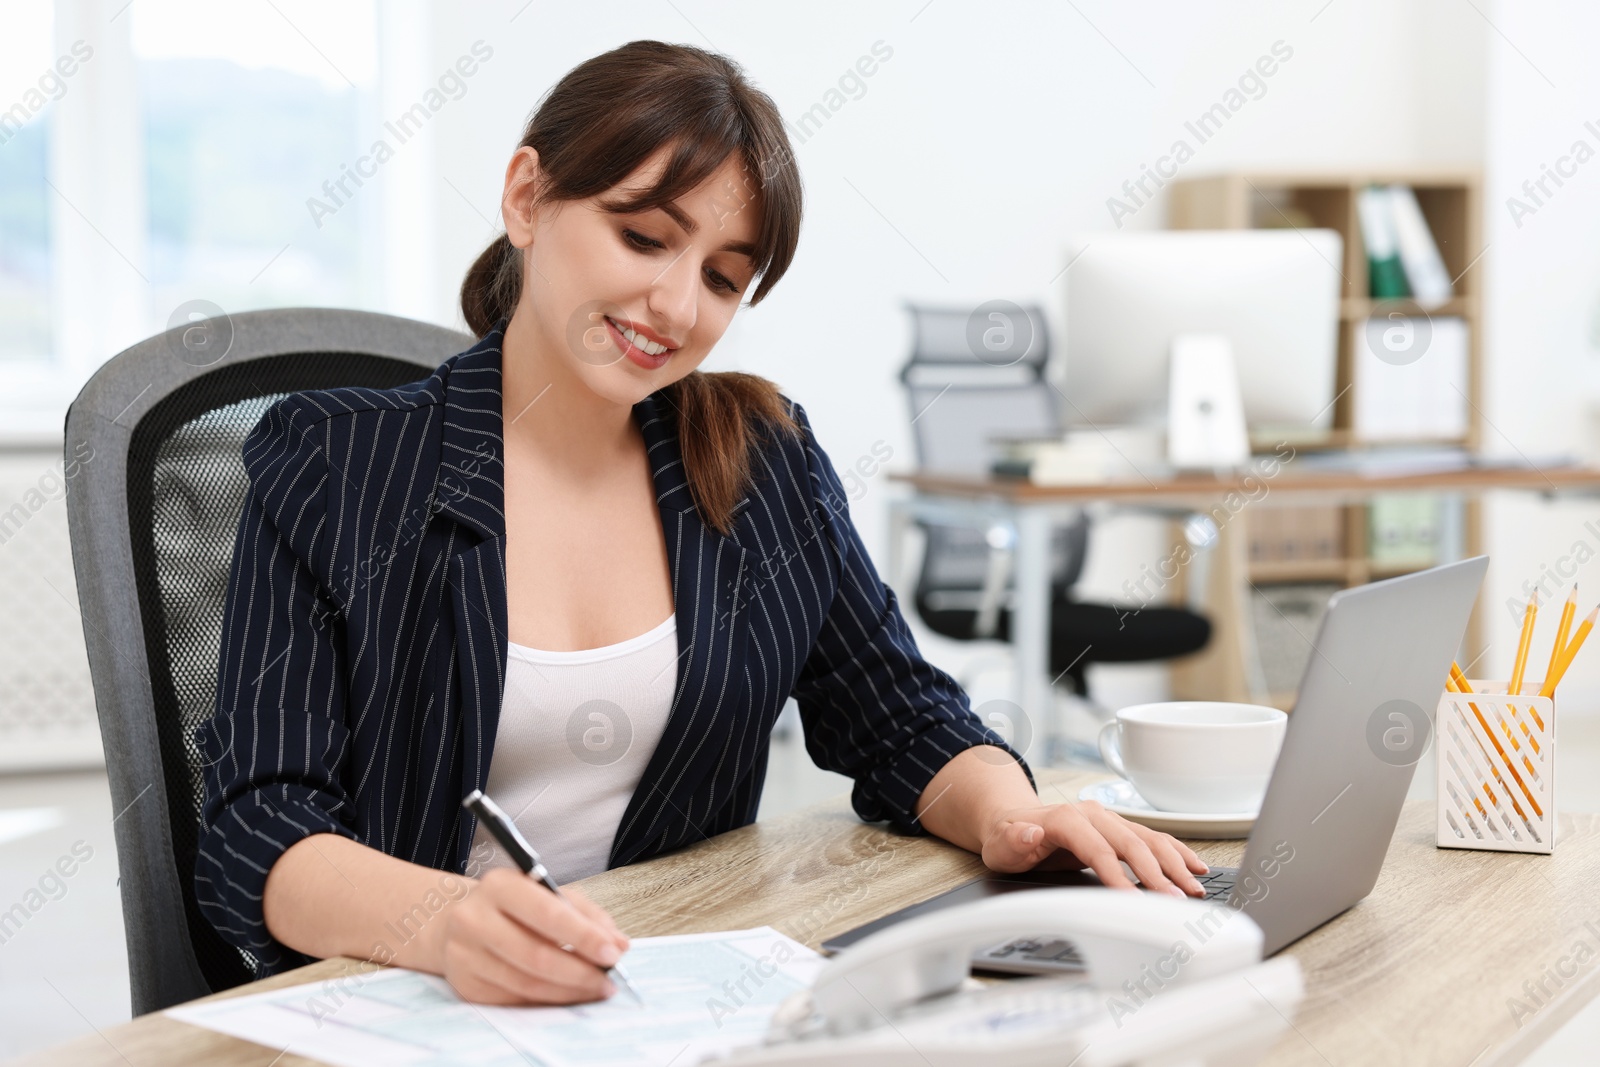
1218	882
1055	955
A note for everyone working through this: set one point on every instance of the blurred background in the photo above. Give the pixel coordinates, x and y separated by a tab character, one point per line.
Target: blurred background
157	156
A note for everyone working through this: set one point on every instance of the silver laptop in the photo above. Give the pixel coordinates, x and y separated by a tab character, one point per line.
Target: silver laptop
1361	723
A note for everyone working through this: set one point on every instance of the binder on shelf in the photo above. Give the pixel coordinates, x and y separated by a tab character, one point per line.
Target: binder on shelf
1403	529
1264	524
1326	531
1419	254
1386	278
1295	534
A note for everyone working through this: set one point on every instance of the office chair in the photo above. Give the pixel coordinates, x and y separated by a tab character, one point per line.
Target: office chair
152	516
959	401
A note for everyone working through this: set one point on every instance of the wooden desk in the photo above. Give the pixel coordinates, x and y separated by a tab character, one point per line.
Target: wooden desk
1223	670
1418	973
1294	480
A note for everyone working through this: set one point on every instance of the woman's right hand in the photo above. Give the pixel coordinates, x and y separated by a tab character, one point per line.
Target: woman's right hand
503	943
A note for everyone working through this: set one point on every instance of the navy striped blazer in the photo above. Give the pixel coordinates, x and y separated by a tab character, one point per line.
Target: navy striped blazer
363	650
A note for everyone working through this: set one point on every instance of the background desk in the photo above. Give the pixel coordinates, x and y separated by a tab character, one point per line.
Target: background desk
1222	671
1418	973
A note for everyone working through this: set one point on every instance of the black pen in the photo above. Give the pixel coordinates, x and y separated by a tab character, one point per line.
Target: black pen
504	831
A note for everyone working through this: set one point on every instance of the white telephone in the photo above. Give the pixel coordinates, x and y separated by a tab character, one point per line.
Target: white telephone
1168	983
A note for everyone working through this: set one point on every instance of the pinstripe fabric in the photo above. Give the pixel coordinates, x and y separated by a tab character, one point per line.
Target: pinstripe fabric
364	642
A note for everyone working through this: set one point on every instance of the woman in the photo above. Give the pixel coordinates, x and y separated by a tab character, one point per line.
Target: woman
573	570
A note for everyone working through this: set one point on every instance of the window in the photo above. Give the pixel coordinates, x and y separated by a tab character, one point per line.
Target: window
28	84
173	165
248	110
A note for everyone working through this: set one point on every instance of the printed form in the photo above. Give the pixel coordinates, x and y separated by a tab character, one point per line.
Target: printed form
703	994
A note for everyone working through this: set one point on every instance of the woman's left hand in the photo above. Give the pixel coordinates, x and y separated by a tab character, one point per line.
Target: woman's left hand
1085	834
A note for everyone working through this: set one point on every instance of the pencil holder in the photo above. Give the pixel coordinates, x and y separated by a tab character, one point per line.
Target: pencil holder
1496	758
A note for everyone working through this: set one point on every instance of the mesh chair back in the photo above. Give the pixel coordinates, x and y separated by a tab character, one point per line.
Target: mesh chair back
153	522
975	375
994	336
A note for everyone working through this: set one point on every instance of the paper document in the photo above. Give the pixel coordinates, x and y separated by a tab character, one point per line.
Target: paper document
703	994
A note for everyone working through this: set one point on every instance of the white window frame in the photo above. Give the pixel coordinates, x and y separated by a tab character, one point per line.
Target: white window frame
99	209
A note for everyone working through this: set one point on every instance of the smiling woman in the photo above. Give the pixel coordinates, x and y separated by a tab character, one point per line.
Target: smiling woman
626	569
674	119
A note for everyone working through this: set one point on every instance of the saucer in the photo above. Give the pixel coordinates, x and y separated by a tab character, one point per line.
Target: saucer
1119	795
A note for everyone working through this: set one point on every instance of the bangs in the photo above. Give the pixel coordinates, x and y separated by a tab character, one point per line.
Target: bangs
770	179
608	116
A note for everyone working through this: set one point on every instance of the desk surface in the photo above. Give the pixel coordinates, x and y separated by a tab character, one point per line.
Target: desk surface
1290	480
1418	973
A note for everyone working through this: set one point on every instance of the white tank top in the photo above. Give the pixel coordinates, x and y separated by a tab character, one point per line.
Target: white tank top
576	730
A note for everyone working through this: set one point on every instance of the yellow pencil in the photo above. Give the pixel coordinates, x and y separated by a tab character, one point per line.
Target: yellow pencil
1569	653
1563	629
1521	664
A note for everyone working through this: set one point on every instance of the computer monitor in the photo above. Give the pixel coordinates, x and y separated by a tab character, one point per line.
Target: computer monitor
1273	293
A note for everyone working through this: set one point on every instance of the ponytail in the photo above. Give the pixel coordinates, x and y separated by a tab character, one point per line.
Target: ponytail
492	286
721	416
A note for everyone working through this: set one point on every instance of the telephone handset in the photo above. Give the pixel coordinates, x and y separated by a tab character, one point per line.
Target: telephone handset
1166	981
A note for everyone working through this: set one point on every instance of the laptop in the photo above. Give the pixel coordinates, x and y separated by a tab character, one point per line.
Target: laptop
1360	724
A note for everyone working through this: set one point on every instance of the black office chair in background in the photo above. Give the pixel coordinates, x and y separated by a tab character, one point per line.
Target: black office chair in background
153	515
959	401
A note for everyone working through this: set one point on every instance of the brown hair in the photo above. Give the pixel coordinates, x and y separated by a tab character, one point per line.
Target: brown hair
593	129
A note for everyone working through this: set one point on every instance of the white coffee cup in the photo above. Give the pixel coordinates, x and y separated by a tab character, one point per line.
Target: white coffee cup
1197	756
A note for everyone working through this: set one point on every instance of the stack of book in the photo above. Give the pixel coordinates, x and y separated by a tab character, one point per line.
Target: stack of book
1280	535
1076	461
1082	456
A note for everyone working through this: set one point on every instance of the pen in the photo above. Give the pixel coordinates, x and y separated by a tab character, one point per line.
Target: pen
505	831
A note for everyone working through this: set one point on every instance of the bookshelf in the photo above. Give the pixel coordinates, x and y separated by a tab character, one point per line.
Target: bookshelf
1451	203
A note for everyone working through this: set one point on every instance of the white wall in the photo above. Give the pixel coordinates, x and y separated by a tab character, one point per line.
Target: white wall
1543	308
993	131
